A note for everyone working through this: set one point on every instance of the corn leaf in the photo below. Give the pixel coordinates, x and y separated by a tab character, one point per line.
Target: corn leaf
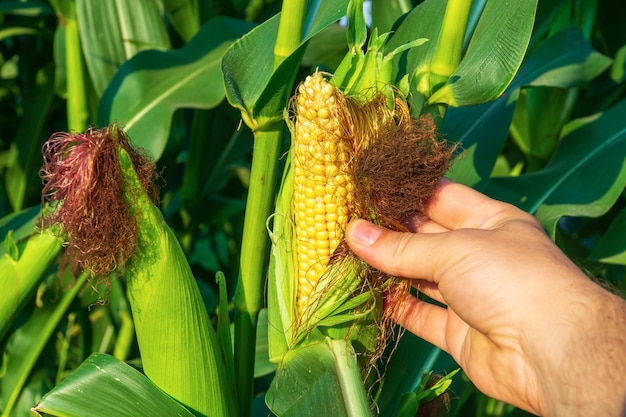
147	89
113	32
21	179
585	176
223	328
103	386
569	60
404	374
26	344
611	248
424	21
493	56
184	16
254	88
385	13
179	349
281	291
318	379
262	364
22	269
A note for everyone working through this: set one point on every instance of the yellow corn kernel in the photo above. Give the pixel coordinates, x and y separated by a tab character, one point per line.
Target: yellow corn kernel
322	183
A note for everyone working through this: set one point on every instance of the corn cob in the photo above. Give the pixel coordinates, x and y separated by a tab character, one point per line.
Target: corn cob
323	186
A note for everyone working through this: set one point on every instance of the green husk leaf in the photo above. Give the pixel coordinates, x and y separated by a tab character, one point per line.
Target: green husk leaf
10	247
282	272
179	348
319	379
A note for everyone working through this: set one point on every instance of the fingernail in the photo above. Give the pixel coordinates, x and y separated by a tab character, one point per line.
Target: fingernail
365	233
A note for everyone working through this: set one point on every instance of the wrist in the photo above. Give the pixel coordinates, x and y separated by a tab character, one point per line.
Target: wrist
587	375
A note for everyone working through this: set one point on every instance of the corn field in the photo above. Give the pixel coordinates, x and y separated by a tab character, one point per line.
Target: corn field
177	176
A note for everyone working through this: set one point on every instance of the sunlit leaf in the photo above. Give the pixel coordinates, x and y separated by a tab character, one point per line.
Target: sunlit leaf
251	85
184	17
483	129
22	179
585	176
307	385
20	276
27	343
386	12
102	386
493	56
112	32
611	248
147	90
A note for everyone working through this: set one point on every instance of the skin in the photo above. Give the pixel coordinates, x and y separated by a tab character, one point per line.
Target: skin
526	325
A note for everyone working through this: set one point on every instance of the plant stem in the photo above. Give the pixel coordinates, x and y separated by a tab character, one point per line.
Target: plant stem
450	43
448	52
77	112
248	298
249	294
289	29
352	390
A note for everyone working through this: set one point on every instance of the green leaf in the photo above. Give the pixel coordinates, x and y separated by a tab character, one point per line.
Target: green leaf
618	70
411	359
21	179
27	343
103	386
147	90
424	21
611	249
584	178
179	349
306	384
357	30
251	85
493	56
22	223
408	405
31	8
10	247
223	330
184	16
385	13
538	120
321	379
262	364
483	129
438	388
20	276
112	32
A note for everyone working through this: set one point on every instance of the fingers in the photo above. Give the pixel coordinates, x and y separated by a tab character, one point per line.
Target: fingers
456	206
429	289
422	319
406	255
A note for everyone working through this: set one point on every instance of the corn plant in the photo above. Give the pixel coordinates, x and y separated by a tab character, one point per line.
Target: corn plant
230	291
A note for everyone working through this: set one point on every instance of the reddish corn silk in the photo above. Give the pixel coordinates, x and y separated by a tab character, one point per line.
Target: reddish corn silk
83	183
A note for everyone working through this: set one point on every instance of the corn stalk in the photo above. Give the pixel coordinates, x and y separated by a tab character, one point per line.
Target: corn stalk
249	294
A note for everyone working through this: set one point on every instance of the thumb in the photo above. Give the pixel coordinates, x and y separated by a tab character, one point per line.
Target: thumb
406	255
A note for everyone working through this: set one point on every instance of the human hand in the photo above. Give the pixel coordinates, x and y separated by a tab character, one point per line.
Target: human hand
524	323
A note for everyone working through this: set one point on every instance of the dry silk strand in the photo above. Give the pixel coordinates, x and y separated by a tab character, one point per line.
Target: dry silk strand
323	186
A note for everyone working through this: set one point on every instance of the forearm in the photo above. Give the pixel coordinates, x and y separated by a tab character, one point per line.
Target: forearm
591	377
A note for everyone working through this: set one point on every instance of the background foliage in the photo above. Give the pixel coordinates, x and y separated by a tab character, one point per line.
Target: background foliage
553	144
